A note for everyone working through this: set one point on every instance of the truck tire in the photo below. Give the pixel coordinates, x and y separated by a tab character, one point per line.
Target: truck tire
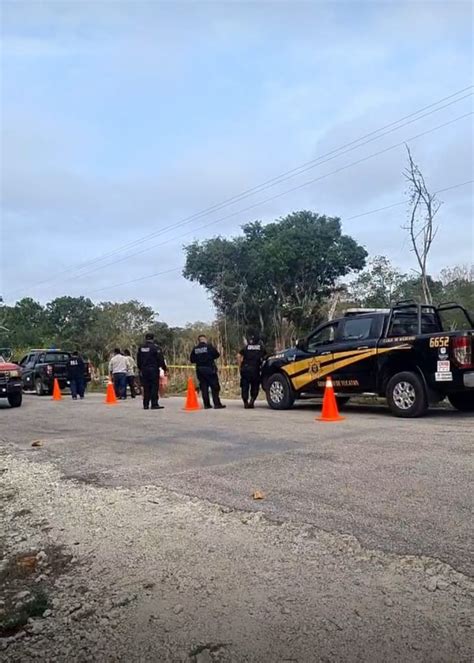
15	399
279	392
406	395
464	402
39	387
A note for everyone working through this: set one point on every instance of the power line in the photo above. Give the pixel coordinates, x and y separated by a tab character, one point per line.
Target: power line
274	197
356	216
355	144
281	179
141	278
403	202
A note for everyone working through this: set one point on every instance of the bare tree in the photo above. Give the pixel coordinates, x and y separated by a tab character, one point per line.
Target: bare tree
423	208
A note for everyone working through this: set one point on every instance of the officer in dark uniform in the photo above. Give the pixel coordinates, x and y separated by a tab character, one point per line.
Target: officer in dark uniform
149	361
75	375
250	359
204	355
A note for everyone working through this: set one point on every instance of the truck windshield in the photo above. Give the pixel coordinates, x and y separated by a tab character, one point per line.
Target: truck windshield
55	357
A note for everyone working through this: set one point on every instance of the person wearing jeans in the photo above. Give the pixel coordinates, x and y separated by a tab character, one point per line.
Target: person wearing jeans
131	372
118	374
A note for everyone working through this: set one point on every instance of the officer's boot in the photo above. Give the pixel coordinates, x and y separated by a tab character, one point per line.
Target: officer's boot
251	404
246	405
217	402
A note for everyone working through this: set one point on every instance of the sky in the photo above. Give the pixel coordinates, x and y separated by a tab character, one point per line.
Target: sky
121	120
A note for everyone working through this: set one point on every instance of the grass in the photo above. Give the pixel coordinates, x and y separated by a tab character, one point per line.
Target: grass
18	575
17	618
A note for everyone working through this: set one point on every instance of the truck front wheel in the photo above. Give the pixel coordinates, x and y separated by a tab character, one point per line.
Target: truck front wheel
463	402
406	395
15	399
280	395
39	387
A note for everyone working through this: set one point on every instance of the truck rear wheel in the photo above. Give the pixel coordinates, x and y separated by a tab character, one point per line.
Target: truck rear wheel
15	399
279	392
406	395
463	402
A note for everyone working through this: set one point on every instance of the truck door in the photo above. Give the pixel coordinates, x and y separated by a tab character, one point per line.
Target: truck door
355	354
319	347
27	371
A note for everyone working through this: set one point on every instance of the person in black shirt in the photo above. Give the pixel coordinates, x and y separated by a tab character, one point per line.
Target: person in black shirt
149	361
250	359
204	355
75	375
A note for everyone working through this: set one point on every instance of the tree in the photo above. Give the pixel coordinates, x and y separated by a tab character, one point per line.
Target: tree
378	285
276	277
70	321
119	324
26	324
458	285
423	208
413	288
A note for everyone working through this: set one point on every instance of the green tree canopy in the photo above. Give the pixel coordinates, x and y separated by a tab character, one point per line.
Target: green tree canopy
275	277
378	285
458	285
382	284
27	324
70	319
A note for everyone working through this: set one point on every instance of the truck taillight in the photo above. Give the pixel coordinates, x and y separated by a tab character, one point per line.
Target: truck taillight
462	351
49	369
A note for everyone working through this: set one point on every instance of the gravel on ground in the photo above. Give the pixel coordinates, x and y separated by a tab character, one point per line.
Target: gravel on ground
144	573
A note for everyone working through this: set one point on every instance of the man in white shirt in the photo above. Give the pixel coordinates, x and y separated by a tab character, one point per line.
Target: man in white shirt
118	373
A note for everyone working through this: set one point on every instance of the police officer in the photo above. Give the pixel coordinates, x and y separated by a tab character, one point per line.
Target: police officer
149	361
250	359
75	375
204	355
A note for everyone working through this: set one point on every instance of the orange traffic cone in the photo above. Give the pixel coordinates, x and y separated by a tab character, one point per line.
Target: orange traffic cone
329	411
57	396
192	402
110	397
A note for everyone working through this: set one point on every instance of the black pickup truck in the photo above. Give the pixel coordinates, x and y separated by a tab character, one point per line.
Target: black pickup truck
414	355
41	367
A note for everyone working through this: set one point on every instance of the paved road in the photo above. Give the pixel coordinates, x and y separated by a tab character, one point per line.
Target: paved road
402	486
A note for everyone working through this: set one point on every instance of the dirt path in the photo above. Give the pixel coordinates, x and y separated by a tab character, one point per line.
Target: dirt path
150	575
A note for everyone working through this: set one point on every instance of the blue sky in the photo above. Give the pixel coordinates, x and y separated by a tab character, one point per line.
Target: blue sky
122	118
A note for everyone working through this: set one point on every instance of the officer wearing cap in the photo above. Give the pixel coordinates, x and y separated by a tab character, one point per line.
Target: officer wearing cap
149	361
204	355
250	359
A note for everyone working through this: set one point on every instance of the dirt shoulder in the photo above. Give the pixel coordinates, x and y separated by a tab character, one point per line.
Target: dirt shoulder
115	574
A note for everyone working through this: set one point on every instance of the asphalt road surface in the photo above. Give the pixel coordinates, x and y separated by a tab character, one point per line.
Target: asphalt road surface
398	486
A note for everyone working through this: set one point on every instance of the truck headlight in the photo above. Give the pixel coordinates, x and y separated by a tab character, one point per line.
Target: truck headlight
15	374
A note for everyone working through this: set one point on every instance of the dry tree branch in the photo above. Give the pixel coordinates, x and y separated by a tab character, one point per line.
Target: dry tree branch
424	206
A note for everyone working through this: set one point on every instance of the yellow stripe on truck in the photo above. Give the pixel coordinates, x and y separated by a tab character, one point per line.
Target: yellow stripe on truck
336	362
298	366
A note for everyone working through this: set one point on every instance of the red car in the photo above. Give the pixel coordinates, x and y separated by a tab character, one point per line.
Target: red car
10	382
